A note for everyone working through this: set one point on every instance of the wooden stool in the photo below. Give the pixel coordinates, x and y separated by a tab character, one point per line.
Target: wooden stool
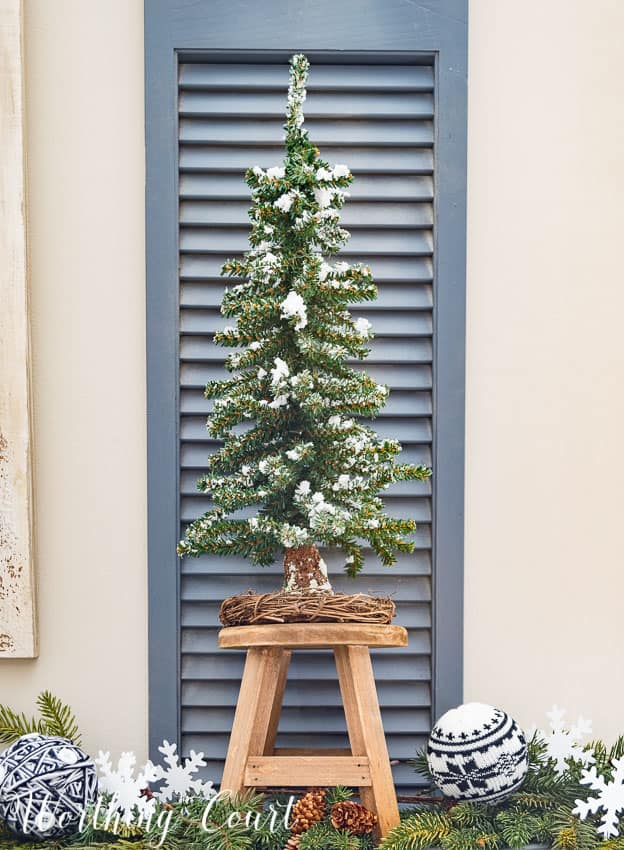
252	760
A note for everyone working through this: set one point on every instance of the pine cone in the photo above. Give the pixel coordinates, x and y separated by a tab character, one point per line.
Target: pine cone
292	843
353	817
308	810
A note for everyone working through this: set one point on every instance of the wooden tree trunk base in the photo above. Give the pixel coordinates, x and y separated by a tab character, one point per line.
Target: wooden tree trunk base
249	609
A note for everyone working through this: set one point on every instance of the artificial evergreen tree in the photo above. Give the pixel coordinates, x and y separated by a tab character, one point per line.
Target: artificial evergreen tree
311	469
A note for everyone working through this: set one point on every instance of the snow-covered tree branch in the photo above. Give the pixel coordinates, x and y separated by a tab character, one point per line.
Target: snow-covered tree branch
308	464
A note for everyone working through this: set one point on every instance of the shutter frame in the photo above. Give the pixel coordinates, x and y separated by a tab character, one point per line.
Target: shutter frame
174	35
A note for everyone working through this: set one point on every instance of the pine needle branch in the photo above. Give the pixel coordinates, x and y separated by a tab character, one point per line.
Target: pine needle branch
322	836
421	765
471	838
612	843
568	832
338	794
533	800
13	725
59	718
417	832
471	815
517	828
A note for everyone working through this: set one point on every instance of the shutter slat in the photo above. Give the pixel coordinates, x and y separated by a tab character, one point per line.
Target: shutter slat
400	403
242	77
198	587
403	507
213	103
377	214
218	720
408	268
421	539
188	488
341	133
377	118
416	431
195	456
311	667
365	158
390	323
370	187
393	295
403	748
322	694
417	563
407	243
383	349
400	376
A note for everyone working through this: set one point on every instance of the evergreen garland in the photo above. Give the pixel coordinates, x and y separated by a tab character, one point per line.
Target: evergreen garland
187	832
540	812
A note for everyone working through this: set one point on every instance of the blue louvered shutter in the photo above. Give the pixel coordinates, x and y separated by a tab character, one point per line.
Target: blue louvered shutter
379	119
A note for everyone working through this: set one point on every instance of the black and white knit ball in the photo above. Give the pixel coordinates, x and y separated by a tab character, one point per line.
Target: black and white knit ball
45	784
477	752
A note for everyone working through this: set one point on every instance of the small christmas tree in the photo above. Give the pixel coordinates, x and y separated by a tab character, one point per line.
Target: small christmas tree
313	470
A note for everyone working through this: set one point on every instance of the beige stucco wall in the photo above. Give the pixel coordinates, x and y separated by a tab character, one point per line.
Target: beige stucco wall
545	360
84	99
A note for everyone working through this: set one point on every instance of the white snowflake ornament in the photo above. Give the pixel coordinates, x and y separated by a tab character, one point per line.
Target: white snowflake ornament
565	742
178	778
125	788
610	798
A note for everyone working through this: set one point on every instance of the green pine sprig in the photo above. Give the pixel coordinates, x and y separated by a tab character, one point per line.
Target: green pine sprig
338	794
517	828
56	719
13	725
418	831
421	765
471	838
568	832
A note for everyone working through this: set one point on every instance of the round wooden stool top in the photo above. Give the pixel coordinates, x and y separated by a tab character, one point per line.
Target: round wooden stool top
312	635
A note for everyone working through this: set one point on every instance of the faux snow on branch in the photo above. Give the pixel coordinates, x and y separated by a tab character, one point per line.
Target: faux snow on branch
293	306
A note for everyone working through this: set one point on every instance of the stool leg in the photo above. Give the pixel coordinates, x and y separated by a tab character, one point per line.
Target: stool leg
246	709
276	685
257	712
366	735
352	715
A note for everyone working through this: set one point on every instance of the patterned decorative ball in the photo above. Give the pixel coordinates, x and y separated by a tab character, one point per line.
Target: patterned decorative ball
45	784
477	752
